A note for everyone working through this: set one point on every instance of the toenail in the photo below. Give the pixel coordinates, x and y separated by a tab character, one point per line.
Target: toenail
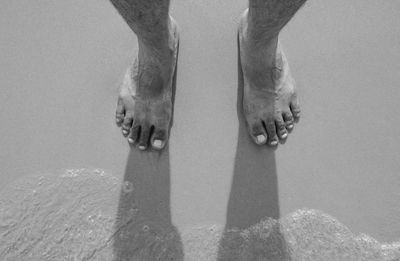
290	126
130	140
276	73
124	131
274	142
284	135
142	147
157	144
261	139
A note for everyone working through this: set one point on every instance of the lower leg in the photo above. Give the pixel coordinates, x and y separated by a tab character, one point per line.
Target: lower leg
268	17
144	15
145	103
270	98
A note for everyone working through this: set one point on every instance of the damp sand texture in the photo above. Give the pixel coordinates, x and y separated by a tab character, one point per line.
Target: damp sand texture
73	216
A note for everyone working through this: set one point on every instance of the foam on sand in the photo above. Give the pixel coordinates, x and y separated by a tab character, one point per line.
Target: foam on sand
73	216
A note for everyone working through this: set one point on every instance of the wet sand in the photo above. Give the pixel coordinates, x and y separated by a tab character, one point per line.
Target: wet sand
92	215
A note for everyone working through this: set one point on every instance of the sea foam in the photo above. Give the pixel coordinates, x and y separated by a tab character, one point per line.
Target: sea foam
75	216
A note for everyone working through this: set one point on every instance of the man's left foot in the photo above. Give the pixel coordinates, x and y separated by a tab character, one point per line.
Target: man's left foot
270	103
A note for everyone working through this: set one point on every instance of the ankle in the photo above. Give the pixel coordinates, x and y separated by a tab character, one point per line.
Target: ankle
155	52
159	44
260	49
256	28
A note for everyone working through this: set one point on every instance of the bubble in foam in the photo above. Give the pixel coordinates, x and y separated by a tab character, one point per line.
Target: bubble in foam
213	228
71	173
99	172
145	228
132	212
41	179
127	187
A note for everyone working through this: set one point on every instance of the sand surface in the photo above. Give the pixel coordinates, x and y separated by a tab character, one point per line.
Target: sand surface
91	215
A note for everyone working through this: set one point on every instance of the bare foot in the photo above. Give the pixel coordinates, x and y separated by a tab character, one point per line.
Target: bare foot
270	103
145	102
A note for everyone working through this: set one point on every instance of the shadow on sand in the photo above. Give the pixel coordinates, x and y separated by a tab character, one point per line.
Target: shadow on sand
144	229
253	198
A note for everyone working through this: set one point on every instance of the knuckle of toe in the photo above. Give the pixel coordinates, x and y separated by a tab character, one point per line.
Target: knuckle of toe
254	124
282	128
161	135
288	117
256	130
144	139
270	126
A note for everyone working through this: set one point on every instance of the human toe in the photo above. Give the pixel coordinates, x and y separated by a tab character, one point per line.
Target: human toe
288	119
281	128
295	108
271	131
159	138
127	124
144	137
257	132
119	113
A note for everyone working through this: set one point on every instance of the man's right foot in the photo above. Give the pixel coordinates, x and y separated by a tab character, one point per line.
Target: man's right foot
145	102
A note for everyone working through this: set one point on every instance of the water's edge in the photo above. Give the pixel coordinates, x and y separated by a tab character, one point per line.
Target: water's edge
73	216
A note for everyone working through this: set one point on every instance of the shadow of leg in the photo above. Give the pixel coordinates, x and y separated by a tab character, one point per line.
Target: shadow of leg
144	230
252	231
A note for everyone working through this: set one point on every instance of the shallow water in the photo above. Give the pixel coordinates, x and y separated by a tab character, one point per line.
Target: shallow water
72	216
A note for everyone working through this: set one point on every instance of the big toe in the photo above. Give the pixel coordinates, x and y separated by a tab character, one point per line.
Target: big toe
159	138
257	132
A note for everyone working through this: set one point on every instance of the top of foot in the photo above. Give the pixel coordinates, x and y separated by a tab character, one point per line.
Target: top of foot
144	110
270	103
